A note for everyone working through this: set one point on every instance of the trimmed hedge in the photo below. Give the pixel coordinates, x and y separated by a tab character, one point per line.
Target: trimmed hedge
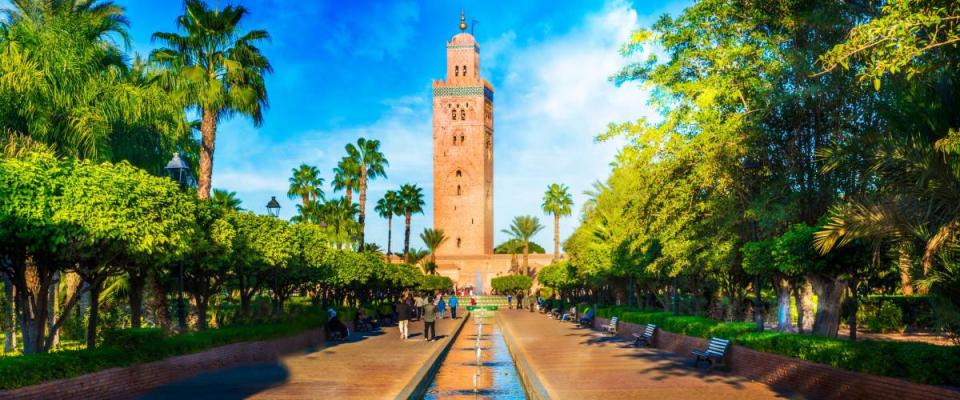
134	346
917	362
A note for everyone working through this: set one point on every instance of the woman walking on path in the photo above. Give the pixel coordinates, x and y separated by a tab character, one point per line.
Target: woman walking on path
429	321
441	306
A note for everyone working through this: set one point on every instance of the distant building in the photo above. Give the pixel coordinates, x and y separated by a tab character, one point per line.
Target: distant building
463	170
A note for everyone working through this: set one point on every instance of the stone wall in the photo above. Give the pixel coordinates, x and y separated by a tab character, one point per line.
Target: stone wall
128	382
816	381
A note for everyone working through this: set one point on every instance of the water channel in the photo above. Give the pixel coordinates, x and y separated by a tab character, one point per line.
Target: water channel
478	365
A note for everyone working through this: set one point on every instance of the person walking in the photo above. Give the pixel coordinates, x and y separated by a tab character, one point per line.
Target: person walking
510	301
403	318
429	321
453	306
441	306
418	303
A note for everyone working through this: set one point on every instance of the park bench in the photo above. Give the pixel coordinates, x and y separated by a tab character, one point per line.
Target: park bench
645	338
714	353
611	327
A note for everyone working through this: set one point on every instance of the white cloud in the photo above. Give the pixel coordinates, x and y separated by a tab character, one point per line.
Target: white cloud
552	99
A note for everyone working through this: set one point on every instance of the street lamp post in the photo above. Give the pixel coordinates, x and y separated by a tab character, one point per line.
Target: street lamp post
179	172
273	207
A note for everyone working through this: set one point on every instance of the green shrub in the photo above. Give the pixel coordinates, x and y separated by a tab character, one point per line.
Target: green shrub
132	346
917	362
885	317
130	339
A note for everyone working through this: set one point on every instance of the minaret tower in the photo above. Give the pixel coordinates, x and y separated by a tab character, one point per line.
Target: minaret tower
463	151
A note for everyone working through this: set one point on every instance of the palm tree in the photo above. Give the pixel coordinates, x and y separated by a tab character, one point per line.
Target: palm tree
366	154
306	183
523	228
346	177
225	200
219	68
557	201
387	207
338	216
433	238
411	202
513	247
417	255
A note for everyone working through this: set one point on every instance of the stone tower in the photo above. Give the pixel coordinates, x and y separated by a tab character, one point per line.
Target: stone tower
463	151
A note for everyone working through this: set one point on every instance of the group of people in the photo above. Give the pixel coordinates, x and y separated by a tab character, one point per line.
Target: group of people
427	308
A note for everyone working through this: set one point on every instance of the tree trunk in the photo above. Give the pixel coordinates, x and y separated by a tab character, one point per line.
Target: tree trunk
208	137
53	310
805	306
9	319
904	262
854	306
829	291
406	239
389	232
138	280
202	303
94	316
556	236
348	195
161	308
363	204
784	315
526	261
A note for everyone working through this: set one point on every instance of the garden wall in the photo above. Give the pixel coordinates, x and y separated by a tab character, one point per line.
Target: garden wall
816	381
127	382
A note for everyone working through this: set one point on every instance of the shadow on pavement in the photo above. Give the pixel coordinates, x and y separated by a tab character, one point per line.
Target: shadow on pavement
229	384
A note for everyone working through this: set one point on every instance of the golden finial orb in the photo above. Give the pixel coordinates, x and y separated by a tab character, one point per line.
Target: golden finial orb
463	22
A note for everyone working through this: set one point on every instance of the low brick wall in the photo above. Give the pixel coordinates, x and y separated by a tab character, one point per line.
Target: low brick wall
816	381
127	382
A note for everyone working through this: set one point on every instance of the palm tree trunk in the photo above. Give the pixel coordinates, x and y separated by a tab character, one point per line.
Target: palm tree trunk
389	232
348	196
363	202
406	238
556	236
906	284
208	137
526	259
306	201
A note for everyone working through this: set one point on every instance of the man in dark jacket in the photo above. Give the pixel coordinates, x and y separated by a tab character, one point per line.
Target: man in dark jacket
429	320
403	316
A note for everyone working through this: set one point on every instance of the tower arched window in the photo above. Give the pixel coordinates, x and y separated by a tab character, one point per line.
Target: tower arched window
461	139
458	243
453	114
459	191
463	115
459	174
456	71
464	70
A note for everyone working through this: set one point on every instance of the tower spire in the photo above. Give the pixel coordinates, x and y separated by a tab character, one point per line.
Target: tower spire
463	22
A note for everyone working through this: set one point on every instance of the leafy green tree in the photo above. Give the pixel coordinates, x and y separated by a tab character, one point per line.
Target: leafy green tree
306	184
218	67
411	202
211	256
388	206
517	285
430	283
523	228
558	202
433	238
372	164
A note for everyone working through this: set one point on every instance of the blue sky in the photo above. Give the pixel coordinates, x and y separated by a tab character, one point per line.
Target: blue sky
349	69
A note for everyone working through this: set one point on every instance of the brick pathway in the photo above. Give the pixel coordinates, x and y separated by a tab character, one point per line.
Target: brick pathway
374	366
575	363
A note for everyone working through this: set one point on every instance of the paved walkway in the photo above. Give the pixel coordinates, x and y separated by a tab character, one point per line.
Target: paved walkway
369	366
577	363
